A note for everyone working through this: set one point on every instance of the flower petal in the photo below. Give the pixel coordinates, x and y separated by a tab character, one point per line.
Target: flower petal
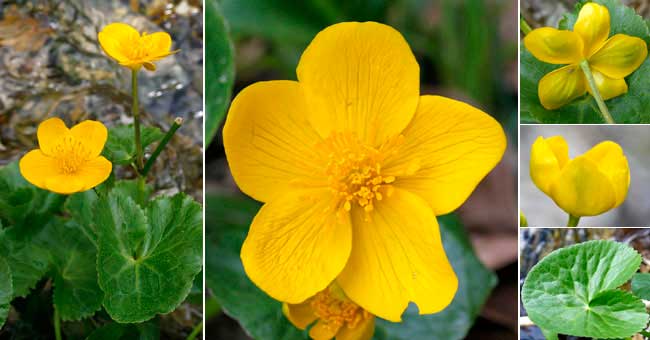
547	158
297	245
49	133
64	184
608	87
115	38
554	46
37	168
360	77
592	26
610	160
620	56
268	140
561	86
92	134
323	330
582	189
94	172
160	43
397	257
364	331
300	315
453	146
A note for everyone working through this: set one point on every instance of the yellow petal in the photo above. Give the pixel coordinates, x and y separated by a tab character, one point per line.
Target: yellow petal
454	145
323	330
49	133
554	46
301	315
160	44
561	86
547	158
608	87
268	140
360	77
582	189
397	257
64	184
116	38
149	66
612	162
92	134
592	26
620	56
36	168
94	172
364	331
297	245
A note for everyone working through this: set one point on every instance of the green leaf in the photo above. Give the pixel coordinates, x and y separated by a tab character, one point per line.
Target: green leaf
227	222
27	258
573	291
475	284
73	259
22	204
632	108
641	285
147	259
219	68
120	145
116	331
6	291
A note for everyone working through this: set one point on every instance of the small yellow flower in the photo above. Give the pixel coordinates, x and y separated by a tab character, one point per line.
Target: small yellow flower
611	60
124	43
68	160
588	185
333	316
353	166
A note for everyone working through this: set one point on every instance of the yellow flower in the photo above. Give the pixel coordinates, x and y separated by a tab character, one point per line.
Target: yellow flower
125	44
587	185
336	316
610	60
353	166
68	160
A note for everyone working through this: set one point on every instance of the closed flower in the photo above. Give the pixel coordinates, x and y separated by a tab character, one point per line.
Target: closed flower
588	185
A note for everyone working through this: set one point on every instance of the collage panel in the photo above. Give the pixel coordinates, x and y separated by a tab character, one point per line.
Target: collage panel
101	170
584	283
360	186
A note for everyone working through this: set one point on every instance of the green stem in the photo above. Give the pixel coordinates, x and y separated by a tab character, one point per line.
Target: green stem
525	27
596	94
177	124
573	221
136	119
57	325
197	329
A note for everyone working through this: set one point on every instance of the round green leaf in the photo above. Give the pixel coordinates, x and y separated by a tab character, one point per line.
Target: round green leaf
641	285
573	291
147	259
219	68
6	291
227	222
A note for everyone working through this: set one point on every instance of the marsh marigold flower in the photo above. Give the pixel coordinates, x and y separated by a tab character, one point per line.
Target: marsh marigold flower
610	60
68	160
587	185
124	43
353	166
333	315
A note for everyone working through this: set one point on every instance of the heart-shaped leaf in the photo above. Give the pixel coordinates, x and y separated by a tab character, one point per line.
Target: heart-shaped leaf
227	222
147	258
573	291
633	107
28	260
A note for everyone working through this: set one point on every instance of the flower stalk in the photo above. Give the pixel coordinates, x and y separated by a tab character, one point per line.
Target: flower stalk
525	27
573	221
161	146
596	93
57	325
135	109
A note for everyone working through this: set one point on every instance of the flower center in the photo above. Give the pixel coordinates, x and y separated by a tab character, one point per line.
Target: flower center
336	310
354	170
70	154
140	47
